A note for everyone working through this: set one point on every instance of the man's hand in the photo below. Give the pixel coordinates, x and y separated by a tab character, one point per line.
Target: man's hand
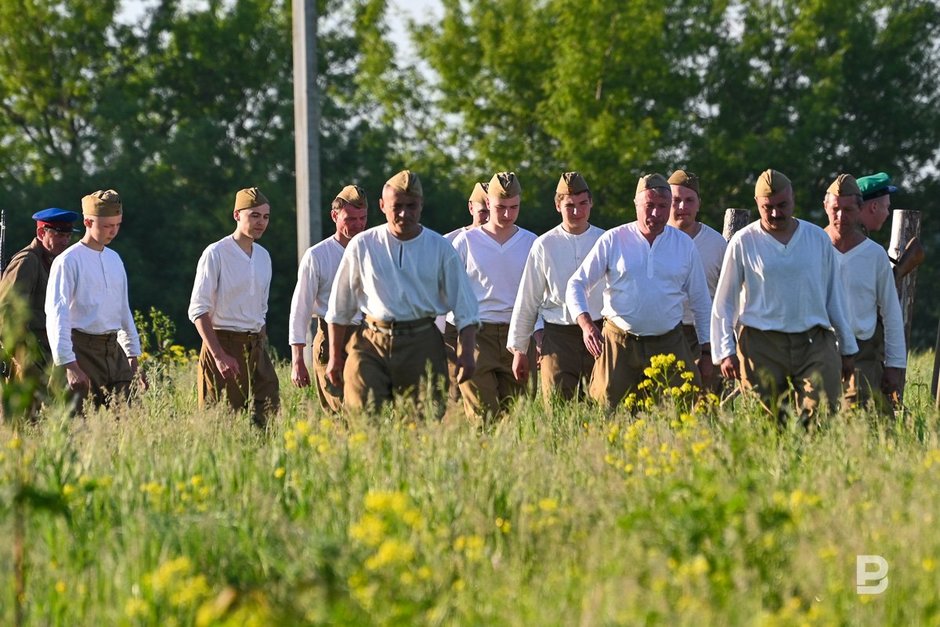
706	370
334	369
139	373
848	367
731	367
593	339
537	336
520	366
77	380
891	382
298	369
226	365
466	366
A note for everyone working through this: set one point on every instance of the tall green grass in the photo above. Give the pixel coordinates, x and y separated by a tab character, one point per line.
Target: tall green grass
163	515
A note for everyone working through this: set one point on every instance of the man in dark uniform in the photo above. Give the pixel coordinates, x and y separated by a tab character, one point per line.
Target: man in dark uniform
26	276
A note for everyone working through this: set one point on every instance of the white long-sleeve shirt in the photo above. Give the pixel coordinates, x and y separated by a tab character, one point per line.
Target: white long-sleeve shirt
644	286
494	269
232	287
711	248
391	279
314	283
790	288
870	293
553	259
87	292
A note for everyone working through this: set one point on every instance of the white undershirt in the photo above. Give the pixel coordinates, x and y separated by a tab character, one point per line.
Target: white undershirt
391	279
554	257
711	248
870	293
232	286
314	282
789	287
494	269
644	286
87	292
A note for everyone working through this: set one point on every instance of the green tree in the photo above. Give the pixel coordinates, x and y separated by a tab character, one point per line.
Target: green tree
178	111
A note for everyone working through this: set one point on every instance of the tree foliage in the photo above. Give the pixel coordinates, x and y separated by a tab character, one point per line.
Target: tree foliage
191	101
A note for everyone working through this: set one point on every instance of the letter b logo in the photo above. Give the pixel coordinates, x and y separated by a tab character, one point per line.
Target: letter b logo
864	575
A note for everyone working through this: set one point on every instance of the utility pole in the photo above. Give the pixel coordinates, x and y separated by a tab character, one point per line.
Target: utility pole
306	124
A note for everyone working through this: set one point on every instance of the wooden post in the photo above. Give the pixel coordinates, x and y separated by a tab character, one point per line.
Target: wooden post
735	220
306	125
905	225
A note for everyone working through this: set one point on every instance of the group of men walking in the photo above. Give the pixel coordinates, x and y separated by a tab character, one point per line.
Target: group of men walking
399	310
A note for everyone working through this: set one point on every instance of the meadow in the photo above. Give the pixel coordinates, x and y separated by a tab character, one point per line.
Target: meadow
165	515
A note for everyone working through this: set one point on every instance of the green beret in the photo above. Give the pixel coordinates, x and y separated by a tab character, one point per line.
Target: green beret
844	185
684	179
249	198
504	185
571	183
478	195
770	182
355	196
406	182
875	185
652	181
103	203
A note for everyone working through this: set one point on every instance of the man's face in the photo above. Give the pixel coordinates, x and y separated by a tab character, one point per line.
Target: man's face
55	242
874	212
480	213
843	213
652	210
575	210
350	220
685	204
776	211
253	222
503	211
102	229
402	212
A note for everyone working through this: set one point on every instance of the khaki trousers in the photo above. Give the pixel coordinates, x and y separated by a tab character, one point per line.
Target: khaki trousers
450	347
772	361
331	397
103	360
492	387
28	365
256	380
620	367
865	383
383	363
566	364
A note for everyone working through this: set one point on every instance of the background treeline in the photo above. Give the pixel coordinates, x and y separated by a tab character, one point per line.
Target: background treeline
194	100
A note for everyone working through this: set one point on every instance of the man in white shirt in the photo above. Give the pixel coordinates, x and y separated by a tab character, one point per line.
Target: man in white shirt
312	294
88	317
228	306
494	256
400	275
871	298
480	214
711	248
787	270
649	270
565	363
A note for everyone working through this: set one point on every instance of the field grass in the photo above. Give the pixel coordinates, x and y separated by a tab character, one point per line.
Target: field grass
165	515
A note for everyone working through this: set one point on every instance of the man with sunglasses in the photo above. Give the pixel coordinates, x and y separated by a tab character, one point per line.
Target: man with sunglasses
27	276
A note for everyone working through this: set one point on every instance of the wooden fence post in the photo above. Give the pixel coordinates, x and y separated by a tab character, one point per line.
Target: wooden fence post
735	220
